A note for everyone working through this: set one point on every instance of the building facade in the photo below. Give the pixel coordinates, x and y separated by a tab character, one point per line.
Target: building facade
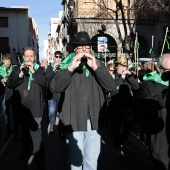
17	31
151	25
120	23
53	39
85	15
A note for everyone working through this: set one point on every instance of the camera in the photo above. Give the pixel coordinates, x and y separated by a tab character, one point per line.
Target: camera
25	69
84	59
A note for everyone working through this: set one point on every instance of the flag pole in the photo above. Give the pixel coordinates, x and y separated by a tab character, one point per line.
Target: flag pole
152	40
152	47
105	57
19	60
164	40
137	54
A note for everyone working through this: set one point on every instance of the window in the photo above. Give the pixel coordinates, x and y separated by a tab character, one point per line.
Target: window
4	44
3	21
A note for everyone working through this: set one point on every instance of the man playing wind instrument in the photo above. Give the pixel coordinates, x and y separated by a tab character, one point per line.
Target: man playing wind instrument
28	83
83	81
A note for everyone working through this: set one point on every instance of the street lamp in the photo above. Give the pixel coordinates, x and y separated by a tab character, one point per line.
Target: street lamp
18	55
102	30
71	5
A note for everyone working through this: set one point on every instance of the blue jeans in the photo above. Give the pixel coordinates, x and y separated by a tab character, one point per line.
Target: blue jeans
83	148
52	109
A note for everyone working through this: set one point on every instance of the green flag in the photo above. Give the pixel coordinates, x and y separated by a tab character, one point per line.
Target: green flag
137	45
106	49
151	51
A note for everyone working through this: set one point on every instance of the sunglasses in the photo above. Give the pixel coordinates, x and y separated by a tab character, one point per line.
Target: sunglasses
164	69
58	56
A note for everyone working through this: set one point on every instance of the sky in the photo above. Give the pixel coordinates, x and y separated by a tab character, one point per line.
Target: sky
41	11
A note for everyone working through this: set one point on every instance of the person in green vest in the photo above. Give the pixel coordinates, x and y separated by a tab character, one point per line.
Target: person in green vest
6	93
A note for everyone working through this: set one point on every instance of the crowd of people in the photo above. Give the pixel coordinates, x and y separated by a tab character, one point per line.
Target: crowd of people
87	97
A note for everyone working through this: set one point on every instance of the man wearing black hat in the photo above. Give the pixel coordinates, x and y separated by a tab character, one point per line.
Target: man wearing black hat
84	82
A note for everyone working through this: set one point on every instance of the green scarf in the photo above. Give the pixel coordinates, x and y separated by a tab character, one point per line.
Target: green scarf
154	76
35	66
67	61
4	72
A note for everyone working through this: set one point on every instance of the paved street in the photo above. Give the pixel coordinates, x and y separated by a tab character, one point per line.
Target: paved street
136	158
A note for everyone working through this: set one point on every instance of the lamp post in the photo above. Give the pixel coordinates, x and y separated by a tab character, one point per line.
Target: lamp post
102	30
18	55
71	5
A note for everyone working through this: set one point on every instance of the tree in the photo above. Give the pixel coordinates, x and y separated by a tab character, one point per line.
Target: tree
151	8
128	12
120	12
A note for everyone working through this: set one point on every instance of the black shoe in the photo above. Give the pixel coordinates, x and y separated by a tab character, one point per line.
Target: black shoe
24	156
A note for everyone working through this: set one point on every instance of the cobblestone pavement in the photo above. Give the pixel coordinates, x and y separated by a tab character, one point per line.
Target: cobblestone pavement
136	156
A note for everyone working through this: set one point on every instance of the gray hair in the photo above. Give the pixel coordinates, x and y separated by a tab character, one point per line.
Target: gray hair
28	48
162	58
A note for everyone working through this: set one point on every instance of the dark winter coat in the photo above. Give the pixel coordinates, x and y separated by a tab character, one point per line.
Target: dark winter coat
4	90
51	95
122	98
153	116
25	99
84	97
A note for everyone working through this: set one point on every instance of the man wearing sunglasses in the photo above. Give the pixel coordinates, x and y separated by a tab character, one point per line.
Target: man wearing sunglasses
53	98
154	116
83	81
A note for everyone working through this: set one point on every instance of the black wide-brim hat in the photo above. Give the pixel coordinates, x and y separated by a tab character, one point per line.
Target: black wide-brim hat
81	38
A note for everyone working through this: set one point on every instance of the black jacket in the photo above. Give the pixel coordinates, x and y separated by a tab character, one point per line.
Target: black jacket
28	99
122	100
51	95
152	108
84	97
4	90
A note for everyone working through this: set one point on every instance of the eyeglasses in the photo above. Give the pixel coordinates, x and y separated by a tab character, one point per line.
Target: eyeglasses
81	47
58	56
164	69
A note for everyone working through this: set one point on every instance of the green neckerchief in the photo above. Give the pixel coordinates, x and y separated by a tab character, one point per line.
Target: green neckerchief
4	72
67	61
35	66
154	76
